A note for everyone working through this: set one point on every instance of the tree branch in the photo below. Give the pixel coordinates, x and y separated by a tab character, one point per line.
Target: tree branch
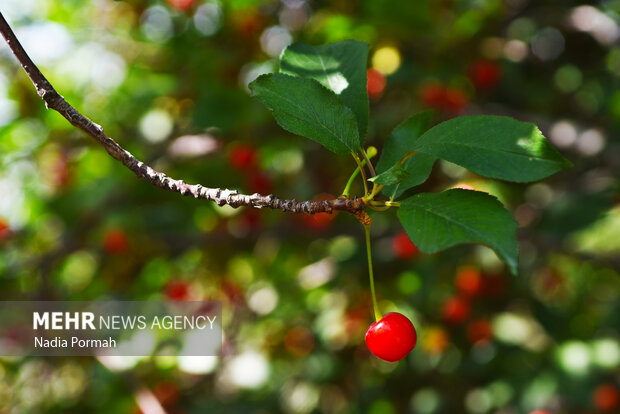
221	197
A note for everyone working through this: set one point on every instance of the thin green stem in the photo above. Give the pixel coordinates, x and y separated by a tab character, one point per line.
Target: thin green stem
380	203
371	275
368	163
376	188
361	168
347	188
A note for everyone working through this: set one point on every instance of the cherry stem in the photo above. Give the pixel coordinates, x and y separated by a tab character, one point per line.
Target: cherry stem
361	168
368	163
347	188
370	273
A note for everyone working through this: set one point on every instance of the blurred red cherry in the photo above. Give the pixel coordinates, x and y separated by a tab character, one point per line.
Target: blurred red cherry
115	242
5	230
455	100
433	95
493	285
606	398
479	331
248	23
299	341
375	83
250	219
455	310
183	5
233	291
177	290
242	157
61	173
540	412
167	392
485	74
319	221
259	182
403	247
468	281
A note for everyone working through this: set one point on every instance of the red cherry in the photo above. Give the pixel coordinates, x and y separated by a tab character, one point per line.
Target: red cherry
403	247
433	95
493	285
115	242
250	219
375	83
479	331
233	292
485	74
259	182
455	100
177	290
320	221
242	157
606	398
392	337
181	4
5	230
455	310
468	281
167	392
540	412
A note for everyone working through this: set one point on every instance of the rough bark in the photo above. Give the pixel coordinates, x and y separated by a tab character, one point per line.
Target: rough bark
53	100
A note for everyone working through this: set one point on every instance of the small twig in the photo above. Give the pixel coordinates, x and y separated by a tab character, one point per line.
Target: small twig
221	197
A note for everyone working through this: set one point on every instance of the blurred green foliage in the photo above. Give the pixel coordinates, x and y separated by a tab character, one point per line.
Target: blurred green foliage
168	80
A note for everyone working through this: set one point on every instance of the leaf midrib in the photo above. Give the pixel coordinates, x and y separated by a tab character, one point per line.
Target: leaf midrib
310	114
478	234
520	154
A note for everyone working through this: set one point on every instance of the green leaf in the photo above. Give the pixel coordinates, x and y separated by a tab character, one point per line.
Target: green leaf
304	107
340	67
394	175
401	140
494	146
440	220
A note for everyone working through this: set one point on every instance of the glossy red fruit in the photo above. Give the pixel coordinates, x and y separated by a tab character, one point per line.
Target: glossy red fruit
606	398
115	242
392	337
540	412
485	74
403	247
375	83
242	157
182	4
177	290
455	310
